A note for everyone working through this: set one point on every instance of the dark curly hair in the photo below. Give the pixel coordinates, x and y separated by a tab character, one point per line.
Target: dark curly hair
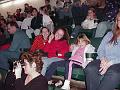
33	57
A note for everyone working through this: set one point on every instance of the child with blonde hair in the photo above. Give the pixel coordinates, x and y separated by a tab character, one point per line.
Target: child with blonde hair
78	57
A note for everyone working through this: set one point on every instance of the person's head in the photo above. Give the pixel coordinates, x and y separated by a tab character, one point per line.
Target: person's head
47	2
82	1
116	30
18	10
76	3
13	18
34	12
82	40
26	5
32	62
91	13
43	10
28	14
2	21
92	2
61	34
12	27
45	32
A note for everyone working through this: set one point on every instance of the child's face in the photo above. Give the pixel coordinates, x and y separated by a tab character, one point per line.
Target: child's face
91	13
82	42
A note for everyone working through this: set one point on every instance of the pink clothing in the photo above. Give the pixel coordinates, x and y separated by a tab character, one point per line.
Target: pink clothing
70	69
78	56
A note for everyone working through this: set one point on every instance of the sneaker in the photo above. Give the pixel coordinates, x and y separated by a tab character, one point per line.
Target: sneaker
66	85
50	82
59	83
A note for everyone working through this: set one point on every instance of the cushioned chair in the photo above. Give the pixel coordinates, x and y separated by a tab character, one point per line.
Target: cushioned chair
89	32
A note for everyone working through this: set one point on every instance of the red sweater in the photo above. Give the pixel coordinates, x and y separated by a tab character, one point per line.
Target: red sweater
57	48
39	43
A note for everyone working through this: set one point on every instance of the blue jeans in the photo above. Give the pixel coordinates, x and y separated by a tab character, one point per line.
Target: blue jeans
47	61
109	81
53	67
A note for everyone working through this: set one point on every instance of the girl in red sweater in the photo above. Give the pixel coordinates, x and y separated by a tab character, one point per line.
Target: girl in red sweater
40	40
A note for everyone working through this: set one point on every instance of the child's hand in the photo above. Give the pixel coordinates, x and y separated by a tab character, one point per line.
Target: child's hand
71	47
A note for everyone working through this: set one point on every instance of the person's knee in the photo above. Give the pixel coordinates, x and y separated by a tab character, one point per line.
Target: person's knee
115	73
53	65
90	68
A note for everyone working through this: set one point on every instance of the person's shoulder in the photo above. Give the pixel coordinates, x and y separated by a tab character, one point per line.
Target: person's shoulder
109	34
42	78
39	36
20	32
90	46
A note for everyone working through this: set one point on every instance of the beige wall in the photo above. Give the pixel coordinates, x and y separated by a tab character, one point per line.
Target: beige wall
13	5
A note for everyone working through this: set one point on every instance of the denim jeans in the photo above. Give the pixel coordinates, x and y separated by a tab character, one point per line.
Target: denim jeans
53	67
109	81
47	61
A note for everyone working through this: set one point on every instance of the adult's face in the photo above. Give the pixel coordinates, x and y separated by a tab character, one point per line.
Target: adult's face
45	32
59	34
34	13
27	68
11	29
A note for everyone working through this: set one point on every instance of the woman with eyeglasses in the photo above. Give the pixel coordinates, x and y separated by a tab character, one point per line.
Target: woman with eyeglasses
104	73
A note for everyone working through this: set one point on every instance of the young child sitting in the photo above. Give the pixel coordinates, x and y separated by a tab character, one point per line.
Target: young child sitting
78	56
91	20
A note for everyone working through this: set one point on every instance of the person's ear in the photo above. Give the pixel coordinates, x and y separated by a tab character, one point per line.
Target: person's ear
34	64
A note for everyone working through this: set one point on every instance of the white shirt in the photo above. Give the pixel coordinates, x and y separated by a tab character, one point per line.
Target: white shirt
46	20
26	23
89	24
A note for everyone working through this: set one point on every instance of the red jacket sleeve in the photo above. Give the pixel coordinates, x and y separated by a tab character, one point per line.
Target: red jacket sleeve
37	44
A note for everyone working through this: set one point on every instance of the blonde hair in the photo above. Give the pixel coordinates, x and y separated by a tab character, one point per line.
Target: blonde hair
84	37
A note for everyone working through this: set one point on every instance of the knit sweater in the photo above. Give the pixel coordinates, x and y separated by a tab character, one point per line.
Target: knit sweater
57	48
38	44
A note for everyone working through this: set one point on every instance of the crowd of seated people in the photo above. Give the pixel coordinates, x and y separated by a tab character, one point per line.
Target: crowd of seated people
39	30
